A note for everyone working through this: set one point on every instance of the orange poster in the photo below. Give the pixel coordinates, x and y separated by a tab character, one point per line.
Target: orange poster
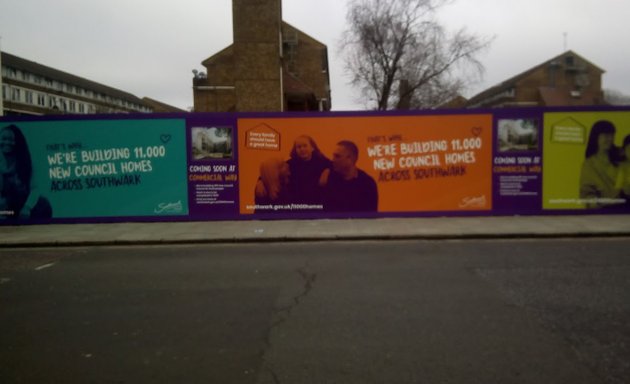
365	164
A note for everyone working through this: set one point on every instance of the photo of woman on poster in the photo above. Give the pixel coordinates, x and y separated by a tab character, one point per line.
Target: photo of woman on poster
310	179
599	170
623	176
19	196
306	163
272	187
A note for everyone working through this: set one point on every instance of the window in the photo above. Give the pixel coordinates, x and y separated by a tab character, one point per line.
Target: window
5	92
29	97
37	79
41	99
72	106
26	76
81	108
16	95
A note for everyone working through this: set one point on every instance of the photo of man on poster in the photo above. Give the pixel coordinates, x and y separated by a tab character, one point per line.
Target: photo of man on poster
309	178
346	187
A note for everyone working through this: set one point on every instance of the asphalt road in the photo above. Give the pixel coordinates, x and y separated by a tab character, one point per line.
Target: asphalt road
543	311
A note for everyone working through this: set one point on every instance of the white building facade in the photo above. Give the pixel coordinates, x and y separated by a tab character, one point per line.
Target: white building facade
29	88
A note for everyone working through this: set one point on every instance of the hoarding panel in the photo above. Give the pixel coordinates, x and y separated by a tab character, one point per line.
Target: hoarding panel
94	168
419	163
585	161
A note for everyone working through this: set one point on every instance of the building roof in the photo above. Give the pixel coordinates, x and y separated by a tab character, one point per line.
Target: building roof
509	83
16	62
293	86
225	54
159	106
458	101
302	33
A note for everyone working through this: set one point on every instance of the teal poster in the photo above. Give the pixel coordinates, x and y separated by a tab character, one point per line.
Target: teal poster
93	168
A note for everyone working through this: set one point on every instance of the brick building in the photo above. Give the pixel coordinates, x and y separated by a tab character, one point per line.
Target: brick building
271	66
565	80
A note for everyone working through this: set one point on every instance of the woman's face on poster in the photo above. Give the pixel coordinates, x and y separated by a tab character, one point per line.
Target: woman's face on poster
7	141
303	148
605	141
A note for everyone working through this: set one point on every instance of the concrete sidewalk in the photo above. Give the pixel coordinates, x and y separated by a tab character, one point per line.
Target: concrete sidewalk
315	230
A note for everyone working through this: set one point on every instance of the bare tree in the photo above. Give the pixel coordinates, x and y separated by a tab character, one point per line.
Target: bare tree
399	55
614	97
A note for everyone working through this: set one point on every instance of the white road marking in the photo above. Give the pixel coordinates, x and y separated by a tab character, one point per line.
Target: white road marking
44	266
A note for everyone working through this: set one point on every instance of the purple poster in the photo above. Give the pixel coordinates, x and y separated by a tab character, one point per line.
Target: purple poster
212	166
517	162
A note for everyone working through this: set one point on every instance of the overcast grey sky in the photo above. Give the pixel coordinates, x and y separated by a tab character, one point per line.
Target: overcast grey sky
149	47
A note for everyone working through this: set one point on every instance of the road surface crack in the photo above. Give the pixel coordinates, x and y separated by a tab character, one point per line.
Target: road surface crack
282	314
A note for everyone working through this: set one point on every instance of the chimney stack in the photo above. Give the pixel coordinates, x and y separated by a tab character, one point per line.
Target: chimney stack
257	55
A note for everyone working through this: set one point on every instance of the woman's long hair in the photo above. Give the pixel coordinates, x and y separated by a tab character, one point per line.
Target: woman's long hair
270	176
23	164
599	128
626	142
316	152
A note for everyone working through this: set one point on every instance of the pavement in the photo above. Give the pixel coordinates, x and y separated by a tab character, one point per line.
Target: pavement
434	228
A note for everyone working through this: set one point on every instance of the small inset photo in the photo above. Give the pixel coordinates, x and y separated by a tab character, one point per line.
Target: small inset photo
213	143
517	135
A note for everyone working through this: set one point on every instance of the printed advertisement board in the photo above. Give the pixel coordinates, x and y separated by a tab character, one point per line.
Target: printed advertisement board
365	164
587	161
93	169
517	161
212	166
263	166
